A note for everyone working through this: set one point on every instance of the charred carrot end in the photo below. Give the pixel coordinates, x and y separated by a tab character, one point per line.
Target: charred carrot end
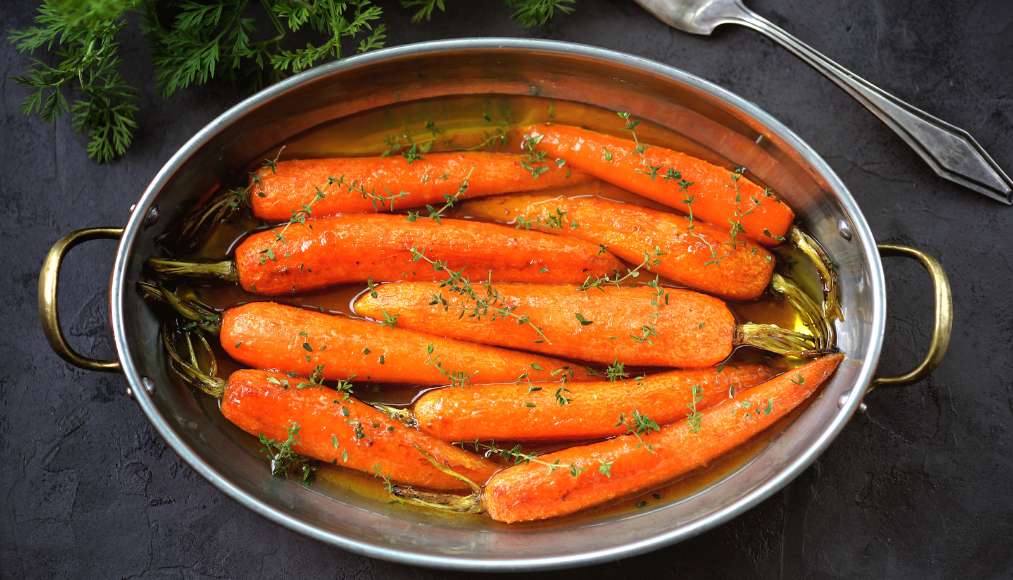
323	424
577	410
643	325
713	194
376	184
272	336
694	254
353	249
648	456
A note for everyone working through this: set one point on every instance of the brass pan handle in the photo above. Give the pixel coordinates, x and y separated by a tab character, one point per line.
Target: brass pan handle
49	278
944	318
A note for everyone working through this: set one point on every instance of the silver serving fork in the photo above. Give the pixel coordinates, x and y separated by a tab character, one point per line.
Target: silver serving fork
950	151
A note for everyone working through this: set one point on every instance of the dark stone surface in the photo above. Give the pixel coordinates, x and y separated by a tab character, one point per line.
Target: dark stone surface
918	487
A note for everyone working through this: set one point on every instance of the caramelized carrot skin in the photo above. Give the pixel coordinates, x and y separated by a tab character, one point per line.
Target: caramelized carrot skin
629	231
693	330
502	411
258	406
426	181
272	336
530	492
714	198
349	249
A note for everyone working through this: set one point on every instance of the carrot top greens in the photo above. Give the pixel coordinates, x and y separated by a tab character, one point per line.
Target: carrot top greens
204	40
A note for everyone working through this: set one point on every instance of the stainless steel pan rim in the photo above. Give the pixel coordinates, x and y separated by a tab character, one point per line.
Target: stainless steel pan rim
120	285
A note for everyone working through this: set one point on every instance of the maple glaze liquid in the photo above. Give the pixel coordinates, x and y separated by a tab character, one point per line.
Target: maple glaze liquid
458	123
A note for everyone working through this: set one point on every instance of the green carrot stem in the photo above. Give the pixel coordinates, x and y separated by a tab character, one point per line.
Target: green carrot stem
468	504
772	338
464	504
189	370
400	413
186	305
225	271
824	333
198	224
824	266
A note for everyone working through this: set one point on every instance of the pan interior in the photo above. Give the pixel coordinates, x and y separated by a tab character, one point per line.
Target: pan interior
717	122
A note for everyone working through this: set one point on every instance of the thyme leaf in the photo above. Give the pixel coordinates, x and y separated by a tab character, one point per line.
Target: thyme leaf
284	461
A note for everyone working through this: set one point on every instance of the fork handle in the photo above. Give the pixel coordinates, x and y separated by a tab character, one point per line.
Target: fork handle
950	151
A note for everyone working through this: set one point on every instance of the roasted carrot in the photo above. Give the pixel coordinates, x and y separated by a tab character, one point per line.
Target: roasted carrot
716	198
639	325
344	431
695	254
372	184
297	417
272	336
348	249
577	410
638	462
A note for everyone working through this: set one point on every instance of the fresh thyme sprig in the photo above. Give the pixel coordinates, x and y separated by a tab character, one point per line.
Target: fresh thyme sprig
497	138
672	174
694	417
736	228
475	305
388	486
651	329
715	259
534	160
300	216
561	398
284	461
631	126
297	217
748	408
650	260
434	214
518	457
652	170
457	378
394	144
344	386
371	195
551	221
639	426
388	320
616	371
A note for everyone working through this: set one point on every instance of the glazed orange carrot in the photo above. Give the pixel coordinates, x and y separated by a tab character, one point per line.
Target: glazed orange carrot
272	336
344	431
686	329
714	198
701	257
637	463
577	409
346	249
372	184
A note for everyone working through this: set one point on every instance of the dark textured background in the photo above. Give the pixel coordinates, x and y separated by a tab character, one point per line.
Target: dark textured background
918	487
